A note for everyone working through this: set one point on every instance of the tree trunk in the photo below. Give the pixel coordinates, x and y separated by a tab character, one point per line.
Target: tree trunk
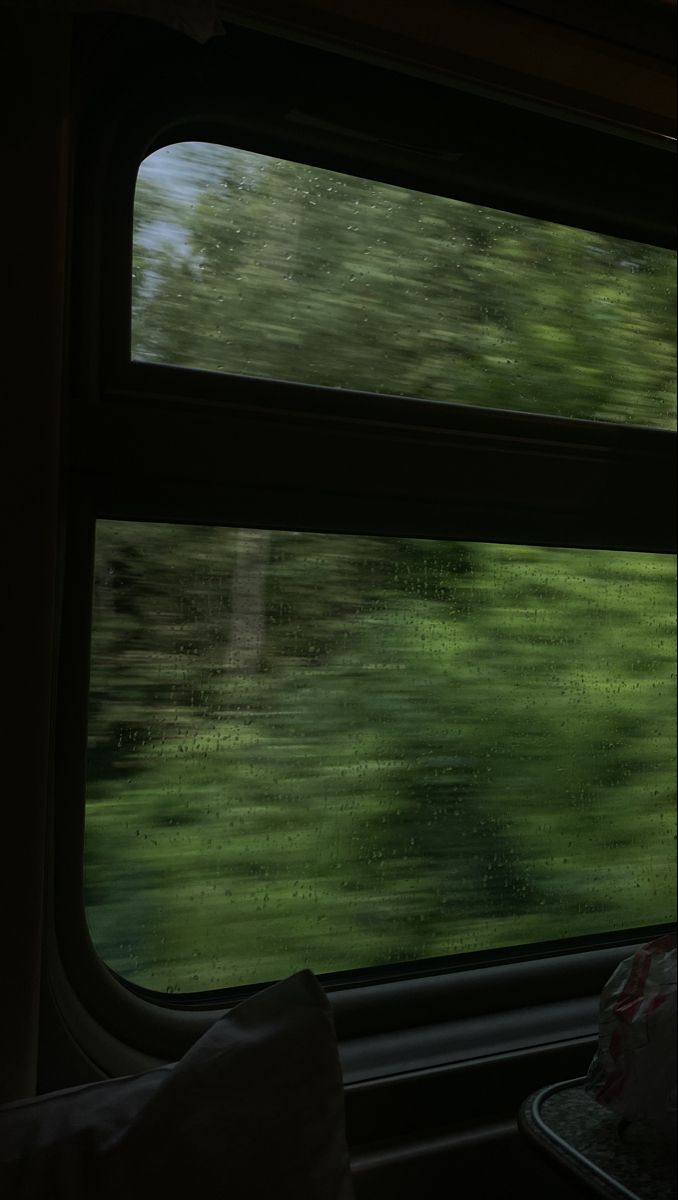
248	600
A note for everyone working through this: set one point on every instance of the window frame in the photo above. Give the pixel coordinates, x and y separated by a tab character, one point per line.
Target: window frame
583	483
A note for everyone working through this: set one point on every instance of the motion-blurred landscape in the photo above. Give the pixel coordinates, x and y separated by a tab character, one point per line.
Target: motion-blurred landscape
337	751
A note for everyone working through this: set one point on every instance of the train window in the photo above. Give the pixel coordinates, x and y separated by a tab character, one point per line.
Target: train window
370	468
345	751
249	264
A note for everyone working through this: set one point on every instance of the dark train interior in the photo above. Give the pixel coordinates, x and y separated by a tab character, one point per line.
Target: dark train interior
339	470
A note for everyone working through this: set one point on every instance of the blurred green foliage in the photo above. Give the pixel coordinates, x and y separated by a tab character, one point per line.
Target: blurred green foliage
249	264
336	751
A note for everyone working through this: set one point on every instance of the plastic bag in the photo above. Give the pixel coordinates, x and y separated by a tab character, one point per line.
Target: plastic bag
633	1072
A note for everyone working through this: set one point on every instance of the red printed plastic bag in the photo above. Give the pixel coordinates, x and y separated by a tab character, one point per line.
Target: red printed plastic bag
633	1072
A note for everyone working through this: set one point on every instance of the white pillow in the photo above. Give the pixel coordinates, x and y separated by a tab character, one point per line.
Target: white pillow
255	1109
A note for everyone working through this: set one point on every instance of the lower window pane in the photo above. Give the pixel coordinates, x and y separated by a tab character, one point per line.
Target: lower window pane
340	751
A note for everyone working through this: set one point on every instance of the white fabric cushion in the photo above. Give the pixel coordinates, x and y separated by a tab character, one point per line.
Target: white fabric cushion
255	1109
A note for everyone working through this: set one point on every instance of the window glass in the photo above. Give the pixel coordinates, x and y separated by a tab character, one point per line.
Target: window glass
256	265
339	751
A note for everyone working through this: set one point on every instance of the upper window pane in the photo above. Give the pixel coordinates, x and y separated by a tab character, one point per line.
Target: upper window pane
260	266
